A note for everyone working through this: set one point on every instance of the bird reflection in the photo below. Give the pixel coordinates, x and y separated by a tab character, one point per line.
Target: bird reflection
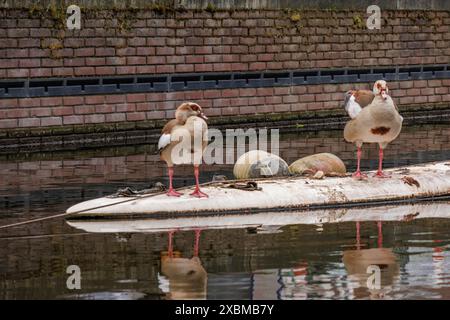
186	278
438	257
359	263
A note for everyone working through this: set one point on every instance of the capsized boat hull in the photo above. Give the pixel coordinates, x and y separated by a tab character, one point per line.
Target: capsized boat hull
292	193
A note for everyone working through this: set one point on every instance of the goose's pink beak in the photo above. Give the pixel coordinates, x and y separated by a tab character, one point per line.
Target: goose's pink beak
383	94
203	116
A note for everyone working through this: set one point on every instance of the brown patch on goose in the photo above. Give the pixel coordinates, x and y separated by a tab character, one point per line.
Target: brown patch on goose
380	130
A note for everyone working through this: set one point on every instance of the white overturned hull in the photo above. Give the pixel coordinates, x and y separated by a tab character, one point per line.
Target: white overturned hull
407	183
268	221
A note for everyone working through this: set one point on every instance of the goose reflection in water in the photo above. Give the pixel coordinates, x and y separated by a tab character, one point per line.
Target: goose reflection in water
360	264
182	278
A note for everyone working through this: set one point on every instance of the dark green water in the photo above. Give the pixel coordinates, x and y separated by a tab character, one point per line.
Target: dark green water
326	261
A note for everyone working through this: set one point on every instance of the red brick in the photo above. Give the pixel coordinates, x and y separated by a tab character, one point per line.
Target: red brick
203	67
40	112
115	98
84	71
125	107
248	92
247	110
51	101
84	52
94	99
73	119
273	99
17	73
95	61
115	117
155	115
29	102
51	121
105	70
165	69
230	93
99	52
256	100
165	51
211	94
17	113
290	99
136	97
136	60
156	60
8	123
62	111
94	118
71	101
184	68
29	122
194	59
427	91
126	70
9	103
193	95
104	108
136	116
84	109
238	102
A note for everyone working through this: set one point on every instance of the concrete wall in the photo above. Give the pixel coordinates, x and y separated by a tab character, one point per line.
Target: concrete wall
243	4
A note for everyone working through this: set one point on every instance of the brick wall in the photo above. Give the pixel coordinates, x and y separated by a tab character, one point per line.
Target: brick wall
146	42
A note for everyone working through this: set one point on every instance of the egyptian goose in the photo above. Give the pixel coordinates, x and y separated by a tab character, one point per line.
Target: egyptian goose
355	100
378	122
178	143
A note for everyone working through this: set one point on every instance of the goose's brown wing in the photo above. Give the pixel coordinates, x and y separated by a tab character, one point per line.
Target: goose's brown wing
363	97
167	129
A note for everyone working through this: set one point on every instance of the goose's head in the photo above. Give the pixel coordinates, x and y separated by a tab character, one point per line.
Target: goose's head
189	109
380	88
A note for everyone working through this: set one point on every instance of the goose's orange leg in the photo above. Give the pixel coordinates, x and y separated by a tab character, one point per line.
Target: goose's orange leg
380	173
197	193
172	191
358	174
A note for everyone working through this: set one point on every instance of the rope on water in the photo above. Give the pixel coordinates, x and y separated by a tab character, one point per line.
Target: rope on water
60	215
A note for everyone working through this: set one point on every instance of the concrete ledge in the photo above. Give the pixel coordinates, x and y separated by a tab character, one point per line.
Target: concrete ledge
212	5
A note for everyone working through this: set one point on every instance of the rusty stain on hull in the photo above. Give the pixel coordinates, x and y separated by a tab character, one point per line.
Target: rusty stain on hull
411	181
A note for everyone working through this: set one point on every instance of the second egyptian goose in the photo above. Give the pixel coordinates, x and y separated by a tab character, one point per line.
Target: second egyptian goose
378	122
180	135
